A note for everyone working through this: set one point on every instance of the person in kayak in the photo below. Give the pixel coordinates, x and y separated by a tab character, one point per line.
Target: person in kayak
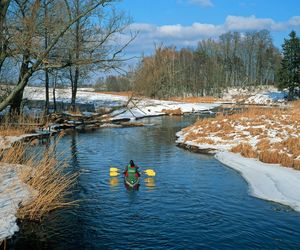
131	168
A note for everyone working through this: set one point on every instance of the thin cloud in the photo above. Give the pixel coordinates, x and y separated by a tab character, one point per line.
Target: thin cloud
204	3
248	23
181	35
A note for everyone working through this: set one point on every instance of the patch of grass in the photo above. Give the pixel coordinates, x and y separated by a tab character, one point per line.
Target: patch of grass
205	141
204	99
296	164
16	125
172	111
245	150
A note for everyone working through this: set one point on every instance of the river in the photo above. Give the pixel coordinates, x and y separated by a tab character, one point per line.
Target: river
193	202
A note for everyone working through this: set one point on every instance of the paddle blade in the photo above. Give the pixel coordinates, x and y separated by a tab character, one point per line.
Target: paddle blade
150	172
113	173
113	169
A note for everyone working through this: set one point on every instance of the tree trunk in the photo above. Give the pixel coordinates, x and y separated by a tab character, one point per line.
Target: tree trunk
74	89
77	55
46	111
46	37
15	104
54	98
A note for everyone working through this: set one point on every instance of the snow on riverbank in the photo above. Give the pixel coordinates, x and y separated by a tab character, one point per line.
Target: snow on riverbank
86	96
150	107
139	108
7	141
261	95
266	181
12	193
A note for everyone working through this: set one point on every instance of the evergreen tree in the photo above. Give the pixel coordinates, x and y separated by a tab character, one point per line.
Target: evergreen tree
289	75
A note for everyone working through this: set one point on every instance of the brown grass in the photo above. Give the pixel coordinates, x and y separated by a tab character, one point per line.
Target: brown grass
172	111
204	99
205	141
16	125
293	145
46	176
276	157
245	150
263	145
296	164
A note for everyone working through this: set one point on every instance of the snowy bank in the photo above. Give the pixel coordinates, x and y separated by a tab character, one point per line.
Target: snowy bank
150	107
7	141
12	193
258	95
137	109
266	181
84	96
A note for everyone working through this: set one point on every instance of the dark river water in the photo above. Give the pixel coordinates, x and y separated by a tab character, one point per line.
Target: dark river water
193	202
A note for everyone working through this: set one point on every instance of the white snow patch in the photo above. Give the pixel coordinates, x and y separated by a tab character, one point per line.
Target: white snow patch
266	181
7	141
12	193
150	107
143	107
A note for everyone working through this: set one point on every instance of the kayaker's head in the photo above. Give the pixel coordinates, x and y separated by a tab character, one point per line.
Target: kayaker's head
131	163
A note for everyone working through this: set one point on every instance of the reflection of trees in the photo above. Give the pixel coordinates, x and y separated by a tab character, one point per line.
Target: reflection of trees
74	151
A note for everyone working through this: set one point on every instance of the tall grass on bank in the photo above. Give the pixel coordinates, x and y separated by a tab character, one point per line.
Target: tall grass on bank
15	125
47	176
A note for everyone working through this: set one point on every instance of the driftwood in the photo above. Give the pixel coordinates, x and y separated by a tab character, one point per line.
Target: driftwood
63	121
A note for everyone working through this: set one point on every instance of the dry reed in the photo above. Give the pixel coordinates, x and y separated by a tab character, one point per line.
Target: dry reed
172	111
204	99
16	125
46	175
245	150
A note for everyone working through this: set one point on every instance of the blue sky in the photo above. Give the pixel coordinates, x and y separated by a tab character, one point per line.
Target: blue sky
185	22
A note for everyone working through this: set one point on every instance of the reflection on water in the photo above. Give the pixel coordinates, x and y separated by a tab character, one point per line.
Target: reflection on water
194	202
113	182
149	182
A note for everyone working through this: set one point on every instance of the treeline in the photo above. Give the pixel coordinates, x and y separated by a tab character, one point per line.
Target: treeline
115	83
233	60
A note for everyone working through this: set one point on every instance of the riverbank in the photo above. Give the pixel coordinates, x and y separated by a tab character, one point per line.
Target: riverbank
266	135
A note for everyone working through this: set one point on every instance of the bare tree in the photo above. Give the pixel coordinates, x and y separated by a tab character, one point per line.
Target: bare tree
92	46
34	56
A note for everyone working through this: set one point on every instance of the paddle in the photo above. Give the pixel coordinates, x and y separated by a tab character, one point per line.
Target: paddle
113	171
